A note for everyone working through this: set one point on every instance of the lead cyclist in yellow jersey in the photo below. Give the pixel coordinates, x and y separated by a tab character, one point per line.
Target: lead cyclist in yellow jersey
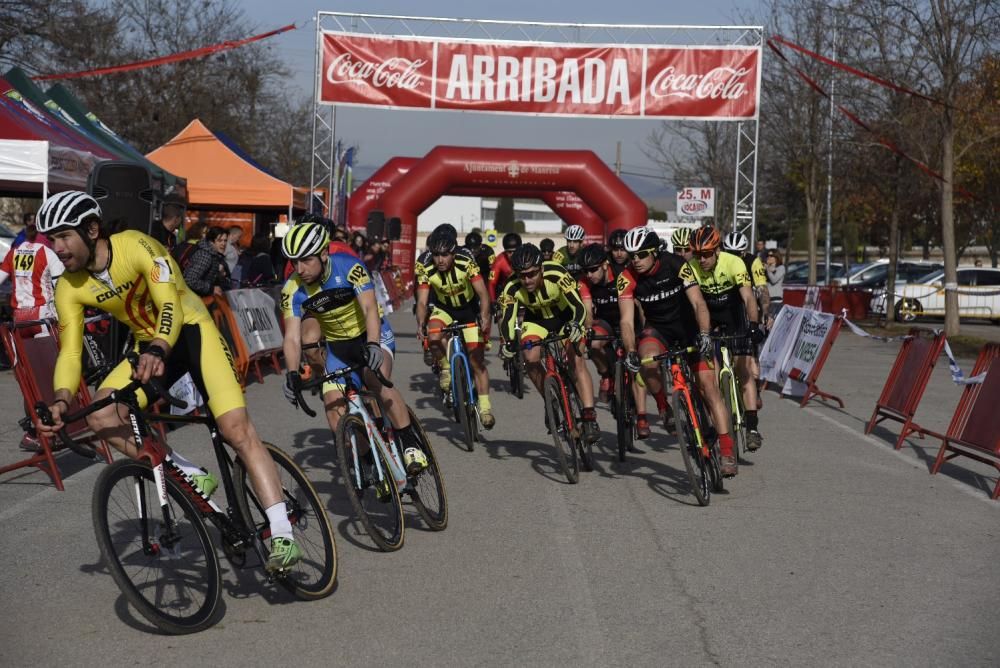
132	277
732	307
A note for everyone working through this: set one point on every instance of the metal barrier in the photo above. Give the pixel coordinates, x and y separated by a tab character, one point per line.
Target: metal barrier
907	381
974	431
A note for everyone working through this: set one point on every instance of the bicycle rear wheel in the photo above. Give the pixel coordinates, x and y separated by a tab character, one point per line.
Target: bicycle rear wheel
624	417
559	426
375	499
427	488
315	575
734	418
694	462
170	574
465	417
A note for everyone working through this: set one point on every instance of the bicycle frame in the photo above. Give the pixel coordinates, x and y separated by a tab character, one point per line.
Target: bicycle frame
553	352
456	348
356	406
679	373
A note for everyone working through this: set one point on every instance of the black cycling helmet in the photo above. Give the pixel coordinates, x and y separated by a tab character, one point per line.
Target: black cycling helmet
446	228
473	240
617	239
547	245
440	241
526	257
592	255
511	240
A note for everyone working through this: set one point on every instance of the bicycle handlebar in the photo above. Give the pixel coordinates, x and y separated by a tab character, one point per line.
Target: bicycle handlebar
672	352
452	328
333	375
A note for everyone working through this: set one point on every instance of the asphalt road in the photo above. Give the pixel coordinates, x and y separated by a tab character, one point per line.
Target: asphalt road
829	548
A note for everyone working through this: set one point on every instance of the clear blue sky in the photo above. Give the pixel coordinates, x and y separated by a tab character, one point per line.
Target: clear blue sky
383	134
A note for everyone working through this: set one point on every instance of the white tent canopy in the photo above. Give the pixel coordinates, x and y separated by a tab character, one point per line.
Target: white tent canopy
51	167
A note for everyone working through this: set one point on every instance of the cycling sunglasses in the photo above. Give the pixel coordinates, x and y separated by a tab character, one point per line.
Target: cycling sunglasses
529	274
592	270
704	254
643	254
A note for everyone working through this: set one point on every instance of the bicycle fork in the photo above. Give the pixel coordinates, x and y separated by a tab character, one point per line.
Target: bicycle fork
682	387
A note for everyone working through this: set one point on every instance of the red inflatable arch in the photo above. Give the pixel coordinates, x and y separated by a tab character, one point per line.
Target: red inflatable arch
567	205
448	168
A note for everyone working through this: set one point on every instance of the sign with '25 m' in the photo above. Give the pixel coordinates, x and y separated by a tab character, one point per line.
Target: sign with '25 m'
696	202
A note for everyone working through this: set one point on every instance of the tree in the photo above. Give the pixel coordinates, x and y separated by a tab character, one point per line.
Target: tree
504	220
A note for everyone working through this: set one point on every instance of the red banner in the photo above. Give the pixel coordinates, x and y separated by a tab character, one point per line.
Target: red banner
541	79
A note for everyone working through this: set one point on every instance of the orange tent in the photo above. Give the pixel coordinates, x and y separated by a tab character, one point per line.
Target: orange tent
217	176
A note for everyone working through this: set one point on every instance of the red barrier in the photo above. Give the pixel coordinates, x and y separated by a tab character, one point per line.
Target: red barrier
907	381
34	360
832	299
974	431
390	279
812	391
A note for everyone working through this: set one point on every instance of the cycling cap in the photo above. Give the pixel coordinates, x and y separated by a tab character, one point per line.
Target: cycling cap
641	238
735	241
593	255
67	209
574	233
526	257
617	239
705	239
511	240
305	239
681	237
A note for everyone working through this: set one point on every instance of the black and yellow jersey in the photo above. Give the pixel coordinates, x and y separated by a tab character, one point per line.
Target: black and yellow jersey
721	288
142	288
557	299
452	289
571	262
758	276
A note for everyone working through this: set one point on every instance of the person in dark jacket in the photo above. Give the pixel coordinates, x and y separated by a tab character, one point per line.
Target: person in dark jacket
258	270
206	272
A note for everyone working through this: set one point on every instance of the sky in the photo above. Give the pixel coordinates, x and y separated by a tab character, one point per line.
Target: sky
382	134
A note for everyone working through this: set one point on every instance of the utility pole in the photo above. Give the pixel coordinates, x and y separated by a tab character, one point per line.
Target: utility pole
829	164
618	160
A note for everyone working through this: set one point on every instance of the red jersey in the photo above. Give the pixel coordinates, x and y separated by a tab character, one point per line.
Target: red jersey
499	273
34	267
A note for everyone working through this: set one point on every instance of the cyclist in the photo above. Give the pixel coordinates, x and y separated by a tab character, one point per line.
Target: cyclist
724	281
567	255
551	301
600	298
339	292
459	297
501	270
616	247
737	244
675	314
681	241
482	252
548	248
132	277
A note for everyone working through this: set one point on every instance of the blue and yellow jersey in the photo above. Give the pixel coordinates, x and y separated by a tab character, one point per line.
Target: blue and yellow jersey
333	301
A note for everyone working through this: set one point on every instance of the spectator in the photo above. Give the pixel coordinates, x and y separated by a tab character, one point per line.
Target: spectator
548	247
207	273
775	281
359	244
182	252
30	233
259	270
978	262
232	252
172	218
761	251
340	234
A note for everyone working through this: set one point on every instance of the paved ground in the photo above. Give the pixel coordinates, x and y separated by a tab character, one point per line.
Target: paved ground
828	549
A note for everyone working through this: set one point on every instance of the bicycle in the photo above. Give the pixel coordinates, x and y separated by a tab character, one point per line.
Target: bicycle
732	393
375	476
623	403
702	459
464	399
563	408
150	521
514	368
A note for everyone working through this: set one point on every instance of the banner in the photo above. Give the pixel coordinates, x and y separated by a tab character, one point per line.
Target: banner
718	83
777	348
255	318
813	331
696	202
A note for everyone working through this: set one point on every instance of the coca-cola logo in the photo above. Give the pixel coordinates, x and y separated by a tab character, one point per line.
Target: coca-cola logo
691	208
394	72
725	83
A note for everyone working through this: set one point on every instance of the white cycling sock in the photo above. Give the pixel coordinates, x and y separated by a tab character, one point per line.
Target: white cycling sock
190	468
277	517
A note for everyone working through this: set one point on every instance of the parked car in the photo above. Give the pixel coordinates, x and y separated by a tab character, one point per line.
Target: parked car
978	296
797	273
876	274
6	240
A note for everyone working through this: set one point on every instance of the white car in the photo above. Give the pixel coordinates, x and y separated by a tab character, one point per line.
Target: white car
978	295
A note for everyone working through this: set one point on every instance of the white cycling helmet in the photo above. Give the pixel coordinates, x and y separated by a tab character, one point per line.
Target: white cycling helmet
67	209
574	233
735	241
641	238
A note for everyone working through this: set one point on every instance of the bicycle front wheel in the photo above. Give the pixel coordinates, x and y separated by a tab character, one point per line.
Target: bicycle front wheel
315	575
462	405
168	572
373	494
427	487
694	462
623	413
559	426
